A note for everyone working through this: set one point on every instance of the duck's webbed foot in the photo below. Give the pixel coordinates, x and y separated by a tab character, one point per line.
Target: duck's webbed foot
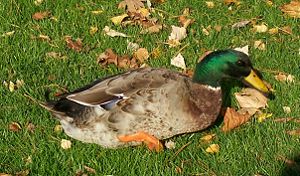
152	142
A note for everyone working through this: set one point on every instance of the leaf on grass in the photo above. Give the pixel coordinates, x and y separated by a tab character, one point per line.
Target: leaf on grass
6	34
75	45
65	144
152	29
244	49
44	37
177	34
118	19
283	77
293	132
93	30
218	28
259	44
286	109
156	52
89	169
30	127
41	15
113	33
132	5
292	9
287	30
141	55
97	12
234	119
56	55
184	21
23	173
210	4
273	31
58	129
250	100
263	116
38	2
240	24
208	138
11	86
132	46
260	28
213	148
14	126
230	2
178	61
170	145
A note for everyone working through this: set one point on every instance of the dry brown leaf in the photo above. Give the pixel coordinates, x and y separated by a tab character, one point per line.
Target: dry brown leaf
292	9
294	132
132	5
218	28
240	24
89	169
283	77
188	72
75	45
184	21
259	44
41	15
118	19
213	148
229	2
152	29
287	30
141	55
113	33
124	62
233	119
14	126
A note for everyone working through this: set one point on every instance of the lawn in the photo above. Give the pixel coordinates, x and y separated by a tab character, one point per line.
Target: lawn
254	148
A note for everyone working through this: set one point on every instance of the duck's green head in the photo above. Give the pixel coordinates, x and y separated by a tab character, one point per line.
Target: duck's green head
227	64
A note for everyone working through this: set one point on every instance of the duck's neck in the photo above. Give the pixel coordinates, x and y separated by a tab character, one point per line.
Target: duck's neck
208	74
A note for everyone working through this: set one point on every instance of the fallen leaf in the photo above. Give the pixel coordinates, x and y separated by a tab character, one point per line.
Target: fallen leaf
22	173
287	30
58	129
118	19
156	52
260	28
273	31
269	2
144	12
11	86
132	46
259	44
28	160
113	33
5	84
4	174
123	61
292	9
233	119
178	169
205	31
170	145
173	43
132	5
229	2
240	24
89	169
141	54
244	49
75	45
30	127
6	34
56	55
286	109
218	28
294	132
97	12
208	138
251	100
152	29
285	119
178	33
93	30
65	144
44	37
38	2
283	77
41	15
263	116
14	126
210	4
213	148
19	83
178	61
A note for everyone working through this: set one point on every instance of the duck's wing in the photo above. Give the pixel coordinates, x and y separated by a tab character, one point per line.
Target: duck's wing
113	89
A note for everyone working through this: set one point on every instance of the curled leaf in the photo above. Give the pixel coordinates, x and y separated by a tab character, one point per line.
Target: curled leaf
14	126
213	148
118	19
233	119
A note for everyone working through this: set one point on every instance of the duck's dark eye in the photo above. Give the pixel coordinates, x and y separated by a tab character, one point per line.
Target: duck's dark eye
241	63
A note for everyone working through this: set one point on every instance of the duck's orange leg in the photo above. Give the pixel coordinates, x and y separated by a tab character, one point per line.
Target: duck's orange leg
152	142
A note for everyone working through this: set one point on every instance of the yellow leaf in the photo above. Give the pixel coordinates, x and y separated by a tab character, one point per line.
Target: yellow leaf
97	12
213	148
65	144
93	30
261	117
273	31
210	4
144	12
208	137
259	44
260	28
11	86
141	54
118	19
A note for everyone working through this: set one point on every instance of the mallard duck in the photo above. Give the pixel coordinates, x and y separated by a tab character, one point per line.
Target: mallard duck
151	104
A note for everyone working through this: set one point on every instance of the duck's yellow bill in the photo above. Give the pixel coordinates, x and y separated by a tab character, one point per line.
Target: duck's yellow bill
256	82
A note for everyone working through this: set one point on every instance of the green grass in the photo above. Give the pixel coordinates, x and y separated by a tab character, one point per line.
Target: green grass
252	149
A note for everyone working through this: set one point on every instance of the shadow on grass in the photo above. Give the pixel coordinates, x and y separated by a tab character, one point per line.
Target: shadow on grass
292	166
